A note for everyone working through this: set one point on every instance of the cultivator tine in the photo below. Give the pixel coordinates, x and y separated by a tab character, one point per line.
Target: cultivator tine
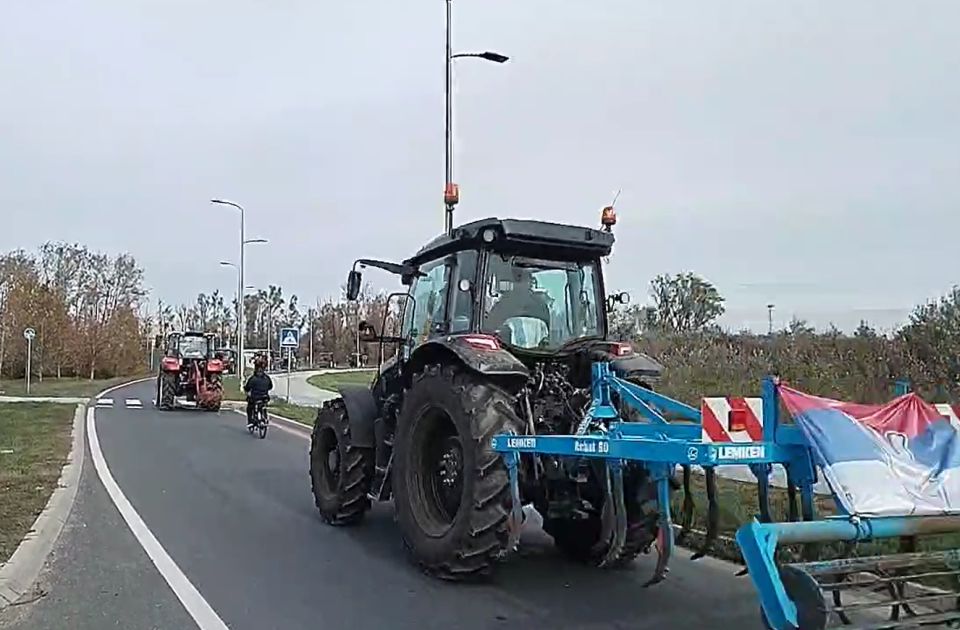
664	541
608	515
713	513
515	520
615	474
793	512
686	510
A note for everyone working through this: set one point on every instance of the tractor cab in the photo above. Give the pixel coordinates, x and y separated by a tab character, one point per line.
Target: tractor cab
531	288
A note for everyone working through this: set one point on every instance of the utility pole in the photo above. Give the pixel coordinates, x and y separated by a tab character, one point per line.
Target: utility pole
312	316
29	334
451	192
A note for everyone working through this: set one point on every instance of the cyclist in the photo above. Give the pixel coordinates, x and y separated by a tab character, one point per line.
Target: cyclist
258	386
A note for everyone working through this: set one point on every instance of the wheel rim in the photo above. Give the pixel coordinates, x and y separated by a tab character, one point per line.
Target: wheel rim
328	461
437	472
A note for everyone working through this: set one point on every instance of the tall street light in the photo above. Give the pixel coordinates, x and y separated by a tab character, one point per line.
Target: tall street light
243	244
451	192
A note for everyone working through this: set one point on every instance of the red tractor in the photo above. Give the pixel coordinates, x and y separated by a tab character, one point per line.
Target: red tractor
190	369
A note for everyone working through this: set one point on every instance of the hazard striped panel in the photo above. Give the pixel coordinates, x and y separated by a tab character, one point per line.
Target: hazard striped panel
716	413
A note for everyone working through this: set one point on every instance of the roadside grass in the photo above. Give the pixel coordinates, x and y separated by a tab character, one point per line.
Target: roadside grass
299	413
66	387
35	441
231	389
331	380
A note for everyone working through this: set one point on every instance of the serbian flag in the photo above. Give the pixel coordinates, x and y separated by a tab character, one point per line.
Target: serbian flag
897	459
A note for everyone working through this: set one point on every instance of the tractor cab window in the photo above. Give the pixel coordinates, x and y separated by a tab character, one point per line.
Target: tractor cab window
539	304
427	310
193	347
461	315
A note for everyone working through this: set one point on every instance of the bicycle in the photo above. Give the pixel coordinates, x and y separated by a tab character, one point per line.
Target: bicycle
260	419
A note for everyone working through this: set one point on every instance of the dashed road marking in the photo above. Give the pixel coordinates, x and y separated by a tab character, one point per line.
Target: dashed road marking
105	402
134	402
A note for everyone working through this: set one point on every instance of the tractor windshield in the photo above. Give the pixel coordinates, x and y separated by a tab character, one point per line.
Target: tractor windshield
193	347
539	304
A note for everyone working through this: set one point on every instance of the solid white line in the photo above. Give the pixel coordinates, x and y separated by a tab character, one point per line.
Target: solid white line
197	607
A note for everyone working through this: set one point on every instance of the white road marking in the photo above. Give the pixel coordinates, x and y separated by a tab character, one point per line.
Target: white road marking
203	614
104	402
133	402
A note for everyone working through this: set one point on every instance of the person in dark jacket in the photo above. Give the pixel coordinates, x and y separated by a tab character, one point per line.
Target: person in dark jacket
258	386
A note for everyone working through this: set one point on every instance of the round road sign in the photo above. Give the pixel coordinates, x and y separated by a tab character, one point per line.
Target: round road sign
29	334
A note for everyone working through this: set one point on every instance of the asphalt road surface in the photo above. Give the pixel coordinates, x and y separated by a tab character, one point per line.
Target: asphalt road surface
224	534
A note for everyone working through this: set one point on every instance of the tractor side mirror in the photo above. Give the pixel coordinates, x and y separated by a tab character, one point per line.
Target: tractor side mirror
158	341
617	298
353	285
367	333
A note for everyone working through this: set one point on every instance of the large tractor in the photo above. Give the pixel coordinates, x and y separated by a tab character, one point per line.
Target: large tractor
190	369
499	327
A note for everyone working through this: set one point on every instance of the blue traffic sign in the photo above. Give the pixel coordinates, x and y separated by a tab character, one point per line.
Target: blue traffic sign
289	337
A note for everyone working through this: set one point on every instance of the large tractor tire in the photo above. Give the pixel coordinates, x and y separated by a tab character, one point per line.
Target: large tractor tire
580	539
451	490
166	390
340	473
214	395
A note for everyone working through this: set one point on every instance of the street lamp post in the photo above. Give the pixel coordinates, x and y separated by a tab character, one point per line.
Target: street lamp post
243	243
451	192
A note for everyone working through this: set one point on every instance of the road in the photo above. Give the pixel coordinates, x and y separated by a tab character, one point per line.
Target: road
233	518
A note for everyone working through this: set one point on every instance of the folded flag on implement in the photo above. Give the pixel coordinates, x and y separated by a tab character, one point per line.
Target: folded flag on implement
897	459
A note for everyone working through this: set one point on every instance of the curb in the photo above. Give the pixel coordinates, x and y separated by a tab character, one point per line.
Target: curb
20	572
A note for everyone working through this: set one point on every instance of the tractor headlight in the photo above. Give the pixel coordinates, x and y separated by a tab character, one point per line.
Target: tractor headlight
488	235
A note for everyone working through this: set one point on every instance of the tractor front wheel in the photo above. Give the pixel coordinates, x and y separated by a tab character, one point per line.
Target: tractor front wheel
340	473
451	490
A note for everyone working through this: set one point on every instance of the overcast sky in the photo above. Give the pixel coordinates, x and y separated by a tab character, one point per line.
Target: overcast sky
804	153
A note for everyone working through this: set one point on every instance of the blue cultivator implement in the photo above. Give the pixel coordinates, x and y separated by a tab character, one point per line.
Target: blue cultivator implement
890	470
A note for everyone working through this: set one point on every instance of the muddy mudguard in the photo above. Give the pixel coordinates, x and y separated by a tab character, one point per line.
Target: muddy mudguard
486	361
361	412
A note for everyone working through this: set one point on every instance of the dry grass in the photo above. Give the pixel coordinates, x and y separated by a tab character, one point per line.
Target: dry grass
35	440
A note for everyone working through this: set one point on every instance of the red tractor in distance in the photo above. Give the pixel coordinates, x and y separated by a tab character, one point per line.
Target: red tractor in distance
190	369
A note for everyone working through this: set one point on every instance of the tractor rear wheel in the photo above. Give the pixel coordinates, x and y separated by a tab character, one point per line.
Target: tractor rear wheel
580	539
340	473
451	490
166	390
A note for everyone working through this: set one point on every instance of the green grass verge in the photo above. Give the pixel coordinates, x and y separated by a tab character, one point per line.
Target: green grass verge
231	389
299	413
331	380
34	445
61	387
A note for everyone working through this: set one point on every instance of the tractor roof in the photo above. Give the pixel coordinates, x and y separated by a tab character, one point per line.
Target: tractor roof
534	238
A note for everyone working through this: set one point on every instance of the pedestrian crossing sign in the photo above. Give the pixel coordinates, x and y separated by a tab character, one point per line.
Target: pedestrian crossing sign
289	338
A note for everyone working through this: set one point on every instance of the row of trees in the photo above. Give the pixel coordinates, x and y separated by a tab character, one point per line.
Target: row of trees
328	328
84	306
679	329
